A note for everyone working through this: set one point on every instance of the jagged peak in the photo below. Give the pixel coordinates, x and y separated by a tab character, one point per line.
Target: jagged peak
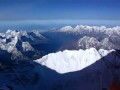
89	28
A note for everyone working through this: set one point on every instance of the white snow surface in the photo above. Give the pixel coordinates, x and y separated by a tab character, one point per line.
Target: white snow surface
27	47
74	60
17	41
88	29
66	28
87	42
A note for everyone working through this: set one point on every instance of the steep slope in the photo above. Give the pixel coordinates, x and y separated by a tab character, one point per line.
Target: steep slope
88	42
105	43
69	61
78	69
67	70
19	42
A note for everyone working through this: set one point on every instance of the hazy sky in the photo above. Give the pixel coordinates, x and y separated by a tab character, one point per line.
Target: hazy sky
59	9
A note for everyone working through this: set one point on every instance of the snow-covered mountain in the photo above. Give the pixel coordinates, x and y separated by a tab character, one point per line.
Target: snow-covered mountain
88	42
29	45
19	42
70	61
84	36
66	28
99	32
67	70
91	29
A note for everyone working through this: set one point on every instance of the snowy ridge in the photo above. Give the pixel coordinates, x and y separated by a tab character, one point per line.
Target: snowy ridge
66	28
70	61
52	71
88	29
18	42
27	47
88	42
93	36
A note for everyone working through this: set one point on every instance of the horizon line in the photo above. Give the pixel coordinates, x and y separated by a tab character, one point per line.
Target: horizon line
61	20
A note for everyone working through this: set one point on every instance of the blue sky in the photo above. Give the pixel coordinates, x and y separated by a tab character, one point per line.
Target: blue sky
59	9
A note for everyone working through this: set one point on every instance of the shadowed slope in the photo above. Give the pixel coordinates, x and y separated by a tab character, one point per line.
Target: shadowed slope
34	76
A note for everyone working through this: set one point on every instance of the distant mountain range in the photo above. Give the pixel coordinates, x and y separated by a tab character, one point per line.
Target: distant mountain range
22	45
88	42
64	59
19	44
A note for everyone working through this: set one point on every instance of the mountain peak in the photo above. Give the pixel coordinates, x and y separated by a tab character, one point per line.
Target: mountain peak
66	28
70	61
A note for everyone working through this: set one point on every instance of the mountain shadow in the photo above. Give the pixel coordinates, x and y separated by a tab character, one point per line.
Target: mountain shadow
101	75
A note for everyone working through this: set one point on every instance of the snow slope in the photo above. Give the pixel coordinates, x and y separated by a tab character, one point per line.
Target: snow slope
70	61
19	42
67	70
89	29
88	42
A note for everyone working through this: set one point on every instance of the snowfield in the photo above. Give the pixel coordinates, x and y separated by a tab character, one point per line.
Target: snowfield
70	61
